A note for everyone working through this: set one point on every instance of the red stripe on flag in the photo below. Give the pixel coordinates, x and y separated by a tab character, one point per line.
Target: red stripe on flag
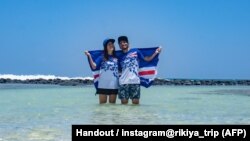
149	72
95	76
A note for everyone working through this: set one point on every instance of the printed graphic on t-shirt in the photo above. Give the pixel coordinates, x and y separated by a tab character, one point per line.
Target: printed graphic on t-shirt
130	66
108	78
110	65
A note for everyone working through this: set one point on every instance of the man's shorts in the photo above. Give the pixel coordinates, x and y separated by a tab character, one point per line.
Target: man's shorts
131	91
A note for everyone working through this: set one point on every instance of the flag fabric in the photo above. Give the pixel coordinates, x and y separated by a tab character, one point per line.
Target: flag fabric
147	70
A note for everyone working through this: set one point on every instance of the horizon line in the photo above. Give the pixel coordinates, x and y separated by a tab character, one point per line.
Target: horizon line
51	76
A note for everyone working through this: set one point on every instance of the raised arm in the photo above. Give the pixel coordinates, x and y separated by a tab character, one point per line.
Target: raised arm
149	58
92	63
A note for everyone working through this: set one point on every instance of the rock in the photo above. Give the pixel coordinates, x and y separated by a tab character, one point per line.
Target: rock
2	80
157	81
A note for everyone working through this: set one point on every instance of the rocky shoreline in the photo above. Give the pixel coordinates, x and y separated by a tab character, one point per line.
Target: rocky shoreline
158	81
206	82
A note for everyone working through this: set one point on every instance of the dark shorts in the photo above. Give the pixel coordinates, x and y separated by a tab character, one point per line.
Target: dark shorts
106	91
131	91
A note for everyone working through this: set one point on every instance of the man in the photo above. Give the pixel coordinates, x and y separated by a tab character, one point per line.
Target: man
129	64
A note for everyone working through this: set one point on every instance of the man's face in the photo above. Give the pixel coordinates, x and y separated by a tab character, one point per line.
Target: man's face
123	45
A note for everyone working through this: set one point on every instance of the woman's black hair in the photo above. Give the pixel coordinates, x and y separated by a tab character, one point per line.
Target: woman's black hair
106	55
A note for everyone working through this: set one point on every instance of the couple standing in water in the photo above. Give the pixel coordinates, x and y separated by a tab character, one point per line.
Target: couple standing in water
127	85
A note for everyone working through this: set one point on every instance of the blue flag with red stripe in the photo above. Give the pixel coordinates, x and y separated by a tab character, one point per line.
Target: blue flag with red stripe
147	70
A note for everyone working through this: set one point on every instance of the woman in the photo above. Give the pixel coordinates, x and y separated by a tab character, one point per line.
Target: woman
108	75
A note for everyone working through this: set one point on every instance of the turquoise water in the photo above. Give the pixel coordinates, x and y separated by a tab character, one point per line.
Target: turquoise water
44	113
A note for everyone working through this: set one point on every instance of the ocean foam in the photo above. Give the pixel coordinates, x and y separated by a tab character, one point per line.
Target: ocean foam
46	77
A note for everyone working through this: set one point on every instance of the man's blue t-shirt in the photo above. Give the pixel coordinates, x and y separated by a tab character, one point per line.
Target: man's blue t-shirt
129	63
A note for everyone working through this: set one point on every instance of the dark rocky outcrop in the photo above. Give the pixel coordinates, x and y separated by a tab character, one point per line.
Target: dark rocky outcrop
157	81
206	82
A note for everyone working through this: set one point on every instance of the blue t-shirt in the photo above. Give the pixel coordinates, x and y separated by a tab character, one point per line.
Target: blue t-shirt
108	75
129	63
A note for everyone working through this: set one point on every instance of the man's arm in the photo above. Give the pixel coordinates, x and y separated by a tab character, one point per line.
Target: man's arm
149	58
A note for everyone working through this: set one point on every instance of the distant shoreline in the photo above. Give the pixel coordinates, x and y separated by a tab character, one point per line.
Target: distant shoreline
157	81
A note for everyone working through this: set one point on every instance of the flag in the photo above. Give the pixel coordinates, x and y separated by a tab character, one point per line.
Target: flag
147	70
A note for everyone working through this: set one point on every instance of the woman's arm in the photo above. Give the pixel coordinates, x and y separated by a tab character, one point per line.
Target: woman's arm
92	63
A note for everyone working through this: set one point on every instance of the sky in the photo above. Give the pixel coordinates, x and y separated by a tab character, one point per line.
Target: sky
201	39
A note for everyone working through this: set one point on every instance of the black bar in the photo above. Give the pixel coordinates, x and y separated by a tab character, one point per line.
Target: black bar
161	132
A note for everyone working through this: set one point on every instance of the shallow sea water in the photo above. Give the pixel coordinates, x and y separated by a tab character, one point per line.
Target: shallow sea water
46	112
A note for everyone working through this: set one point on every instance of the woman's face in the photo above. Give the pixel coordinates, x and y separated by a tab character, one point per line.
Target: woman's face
110	47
